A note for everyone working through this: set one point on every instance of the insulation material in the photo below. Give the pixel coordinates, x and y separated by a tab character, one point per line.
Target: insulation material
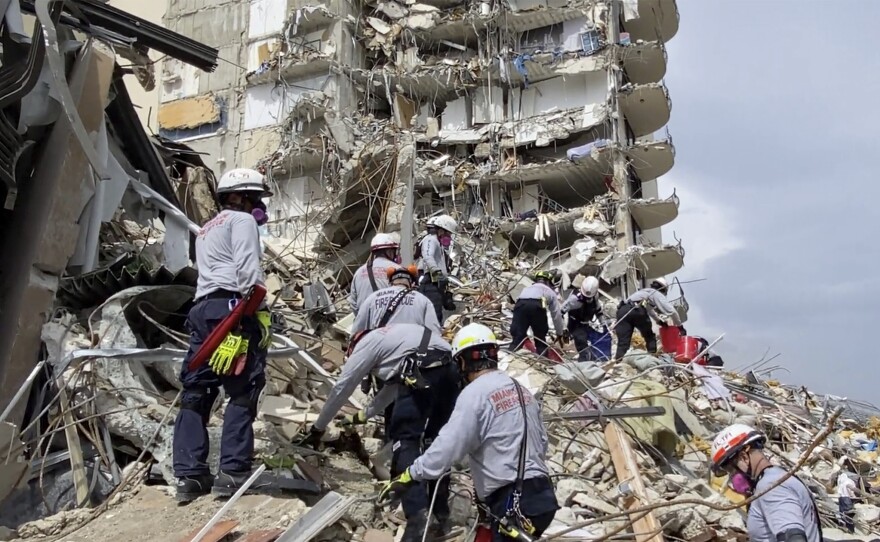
488	105
179	80
266	17
189	113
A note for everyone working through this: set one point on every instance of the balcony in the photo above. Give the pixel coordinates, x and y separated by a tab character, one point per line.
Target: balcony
660	261
644	62
651	159
645	107
653	213
437	82
657	19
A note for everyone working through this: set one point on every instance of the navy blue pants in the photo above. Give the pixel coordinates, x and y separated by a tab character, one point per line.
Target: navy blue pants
200	390
416	420
529	313
435	295
538	503
591	345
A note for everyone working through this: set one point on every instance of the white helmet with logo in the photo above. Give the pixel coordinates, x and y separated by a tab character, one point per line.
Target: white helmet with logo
472	335
731	441
590	287
382	241
445	222
243	180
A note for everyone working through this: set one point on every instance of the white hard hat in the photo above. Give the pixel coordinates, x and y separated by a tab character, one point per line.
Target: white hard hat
729	442
445	222
472	335
590	287
660	284
384	240
243	180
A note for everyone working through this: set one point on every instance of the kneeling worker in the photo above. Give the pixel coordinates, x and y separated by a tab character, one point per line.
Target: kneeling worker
416	368
531	309
636	313
398	303
787	513
497	424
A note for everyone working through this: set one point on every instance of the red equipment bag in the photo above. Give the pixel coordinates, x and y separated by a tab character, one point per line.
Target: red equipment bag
246	307
670	338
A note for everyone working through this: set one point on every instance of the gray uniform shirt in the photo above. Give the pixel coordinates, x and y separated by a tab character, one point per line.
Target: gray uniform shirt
787	506
433	257
539	290
414	308
657	303
228	254
380	353
361	288
487	427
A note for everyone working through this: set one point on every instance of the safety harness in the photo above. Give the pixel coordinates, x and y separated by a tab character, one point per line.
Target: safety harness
392	306
514	524
410	369
370	276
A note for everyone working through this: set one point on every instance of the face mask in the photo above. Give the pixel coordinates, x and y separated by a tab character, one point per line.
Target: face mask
397	259
741	483
445	241
259	213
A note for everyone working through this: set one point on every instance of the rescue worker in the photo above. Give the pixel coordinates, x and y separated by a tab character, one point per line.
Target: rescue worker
398	303
591	337
531	309
228	253
372	277
787	513
416	367
636	313
501	433
435	282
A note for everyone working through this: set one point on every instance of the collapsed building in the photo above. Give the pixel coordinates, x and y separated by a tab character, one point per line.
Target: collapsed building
536	124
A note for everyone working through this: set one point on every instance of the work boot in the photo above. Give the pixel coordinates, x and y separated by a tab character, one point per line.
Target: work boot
439	528
227	483
415	528
190	488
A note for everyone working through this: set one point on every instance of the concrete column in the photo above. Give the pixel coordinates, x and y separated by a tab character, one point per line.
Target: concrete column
399	211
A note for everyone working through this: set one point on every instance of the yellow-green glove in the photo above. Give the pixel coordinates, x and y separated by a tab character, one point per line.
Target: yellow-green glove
358	418
436	276
225	355
395	485
265	320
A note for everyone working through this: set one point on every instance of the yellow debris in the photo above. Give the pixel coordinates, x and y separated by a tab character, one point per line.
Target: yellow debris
872	429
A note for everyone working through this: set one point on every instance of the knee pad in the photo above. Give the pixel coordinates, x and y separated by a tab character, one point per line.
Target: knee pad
248	401
199	400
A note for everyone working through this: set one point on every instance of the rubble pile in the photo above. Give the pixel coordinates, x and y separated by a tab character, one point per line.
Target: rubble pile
622	436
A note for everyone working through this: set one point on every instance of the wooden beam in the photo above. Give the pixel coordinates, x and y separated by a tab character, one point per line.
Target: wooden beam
622	455
77	464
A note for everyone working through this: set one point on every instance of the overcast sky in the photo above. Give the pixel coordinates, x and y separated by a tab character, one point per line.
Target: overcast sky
775	109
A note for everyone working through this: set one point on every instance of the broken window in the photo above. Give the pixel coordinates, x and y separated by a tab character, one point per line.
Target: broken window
545	38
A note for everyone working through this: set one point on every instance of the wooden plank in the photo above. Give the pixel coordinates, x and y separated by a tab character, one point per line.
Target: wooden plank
216	534
627	470
270	535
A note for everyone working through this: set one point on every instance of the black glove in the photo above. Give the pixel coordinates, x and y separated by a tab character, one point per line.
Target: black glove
566	336
312	439
448	302
367	385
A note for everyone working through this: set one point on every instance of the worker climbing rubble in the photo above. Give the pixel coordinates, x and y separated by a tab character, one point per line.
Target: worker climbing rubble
433	263
416	368
372	276
591	337
228	253
497	425
785	513
398	303
637	311
530	312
